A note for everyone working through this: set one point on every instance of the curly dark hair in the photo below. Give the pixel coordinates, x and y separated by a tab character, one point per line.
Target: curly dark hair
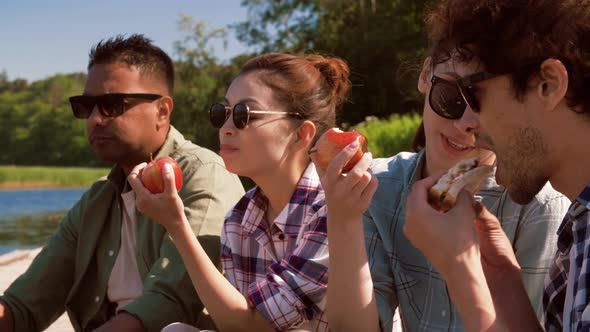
136	50
515	37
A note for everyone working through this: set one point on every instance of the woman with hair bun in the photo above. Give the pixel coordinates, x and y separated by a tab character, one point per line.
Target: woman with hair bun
274	241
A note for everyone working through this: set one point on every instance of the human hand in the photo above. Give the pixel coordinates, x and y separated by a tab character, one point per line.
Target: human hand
446	239
165	208
497	256
347	196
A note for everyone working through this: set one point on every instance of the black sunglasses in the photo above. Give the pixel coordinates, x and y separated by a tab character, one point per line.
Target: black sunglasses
109	105
219	113
449	99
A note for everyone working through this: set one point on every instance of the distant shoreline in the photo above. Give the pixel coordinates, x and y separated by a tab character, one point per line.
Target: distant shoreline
36	185
43	177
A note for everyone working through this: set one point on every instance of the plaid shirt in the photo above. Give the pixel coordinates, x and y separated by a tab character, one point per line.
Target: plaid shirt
402	276
573	246
281	267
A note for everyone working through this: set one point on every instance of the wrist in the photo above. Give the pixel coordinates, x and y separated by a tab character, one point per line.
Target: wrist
179	229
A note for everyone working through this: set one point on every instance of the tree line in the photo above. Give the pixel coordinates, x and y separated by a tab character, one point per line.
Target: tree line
383	42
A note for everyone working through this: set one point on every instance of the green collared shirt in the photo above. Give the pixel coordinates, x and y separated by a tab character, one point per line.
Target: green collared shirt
72	271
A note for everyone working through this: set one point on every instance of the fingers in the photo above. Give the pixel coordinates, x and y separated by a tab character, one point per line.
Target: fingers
485	220
314	159
360	175
169	180
337	164
420	188
134	180
465	199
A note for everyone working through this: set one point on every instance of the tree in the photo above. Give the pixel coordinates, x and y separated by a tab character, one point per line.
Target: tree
382	41
201	80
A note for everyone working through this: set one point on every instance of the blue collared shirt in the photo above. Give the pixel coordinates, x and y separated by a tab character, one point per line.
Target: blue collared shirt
403	278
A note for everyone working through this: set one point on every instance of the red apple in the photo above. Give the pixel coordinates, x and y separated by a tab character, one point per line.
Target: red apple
333	141
151	175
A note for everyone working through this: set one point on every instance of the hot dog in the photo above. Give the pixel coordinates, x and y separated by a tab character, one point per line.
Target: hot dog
468	172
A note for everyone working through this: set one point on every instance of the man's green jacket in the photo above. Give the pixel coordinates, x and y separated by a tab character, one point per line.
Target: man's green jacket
72	271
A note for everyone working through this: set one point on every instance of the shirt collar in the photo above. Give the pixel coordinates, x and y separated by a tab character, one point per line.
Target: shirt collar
565	231
173	141
305	200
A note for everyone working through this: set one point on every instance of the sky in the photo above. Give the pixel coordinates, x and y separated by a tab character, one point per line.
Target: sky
40	38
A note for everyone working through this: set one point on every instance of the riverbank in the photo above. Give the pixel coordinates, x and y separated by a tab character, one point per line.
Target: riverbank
12	265
37	177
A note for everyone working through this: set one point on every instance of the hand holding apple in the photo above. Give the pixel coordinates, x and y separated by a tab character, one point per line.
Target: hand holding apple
333	141
151	175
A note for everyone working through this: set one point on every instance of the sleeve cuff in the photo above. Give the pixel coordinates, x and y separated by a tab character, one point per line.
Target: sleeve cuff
154	311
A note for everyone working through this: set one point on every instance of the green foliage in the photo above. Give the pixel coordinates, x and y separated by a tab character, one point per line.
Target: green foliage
38	127
201	81
389	137
382	41
28	176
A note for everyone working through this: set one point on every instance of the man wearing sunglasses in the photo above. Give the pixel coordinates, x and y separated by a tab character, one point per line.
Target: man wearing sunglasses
532	111
110	267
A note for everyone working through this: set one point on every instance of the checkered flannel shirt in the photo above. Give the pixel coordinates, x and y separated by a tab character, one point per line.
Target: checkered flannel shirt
574	239
281	267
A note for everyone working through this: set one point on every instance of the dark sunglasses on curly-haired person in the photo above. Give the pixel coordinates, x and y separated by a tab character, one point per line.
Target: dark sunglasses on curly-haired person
449	99
219	113
109	105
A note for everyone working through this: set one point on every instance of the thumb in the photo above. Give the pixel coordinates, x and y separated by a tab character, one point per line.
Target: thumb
486	222
465	199
169	181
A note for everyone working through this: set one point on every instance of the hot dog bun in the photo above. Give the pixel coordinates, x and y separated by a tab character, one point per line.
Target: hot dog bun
466	173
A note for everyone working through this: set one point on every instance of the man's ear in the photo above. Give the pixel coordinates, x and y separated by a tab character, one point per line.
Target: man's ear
424	76
305	134
553	83
165	106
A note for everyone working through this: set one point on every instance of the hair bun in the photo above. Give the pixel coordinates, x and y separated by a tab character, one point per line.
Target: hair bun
335	72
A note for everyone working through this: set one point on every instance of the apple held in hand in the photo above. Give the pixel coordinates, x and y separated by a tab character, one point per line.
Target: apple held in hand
335	140
151	175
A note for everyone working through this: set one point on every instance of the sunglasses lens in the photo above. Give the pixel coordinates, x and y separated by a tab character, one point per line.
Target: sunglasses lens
111	106
240	116
217	115
470	97
81	106
446	100
80	111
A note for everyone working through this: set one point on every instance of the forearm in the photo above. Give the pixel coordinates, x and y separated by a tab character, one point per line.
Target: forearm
6	320
511	301
469	292
351	301
226	305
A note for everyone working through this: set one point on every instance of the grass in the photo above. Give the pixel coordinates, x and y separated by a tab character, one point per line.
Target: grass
14	177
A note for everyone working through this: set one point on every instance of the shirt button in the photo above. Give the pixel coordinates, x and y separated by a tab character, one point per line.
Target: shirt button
444	313
281	237
96	299
111	253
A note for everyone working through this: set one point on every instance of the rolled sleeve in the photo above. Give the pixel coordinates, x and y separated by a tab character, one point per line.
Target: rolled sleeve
294	289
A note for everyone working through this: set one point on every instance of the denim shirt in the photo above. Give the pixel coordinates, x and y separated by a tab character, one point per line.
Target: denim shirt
403	278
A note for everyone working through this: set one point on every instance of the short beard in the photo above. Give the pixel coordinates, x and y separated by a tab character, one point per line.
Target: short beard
526	164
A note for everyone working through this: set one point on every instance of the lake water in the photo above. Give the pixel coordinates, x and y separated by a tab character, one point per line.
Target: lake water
28	217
